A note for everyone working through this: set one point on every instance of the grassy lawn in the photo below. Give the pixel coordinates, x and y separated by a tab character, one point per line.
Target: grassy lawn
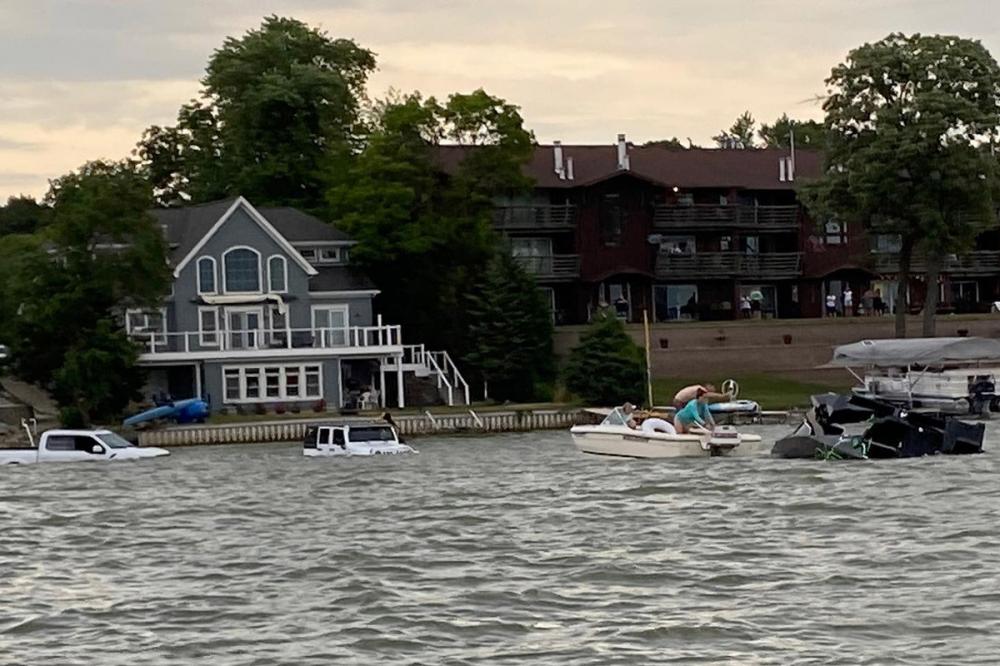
770	391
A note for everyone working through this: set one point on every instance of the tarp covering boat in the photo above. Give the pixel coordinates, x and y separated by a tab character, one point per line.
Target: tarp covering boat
916	351
890	432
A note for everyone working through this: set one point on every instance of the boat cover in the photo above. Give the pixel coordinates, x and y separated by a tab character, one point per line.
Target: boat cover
916	351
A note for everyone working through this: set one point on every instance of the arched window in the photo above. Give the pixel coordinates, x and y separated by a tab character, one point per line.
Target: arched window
206	275
277	274
242	270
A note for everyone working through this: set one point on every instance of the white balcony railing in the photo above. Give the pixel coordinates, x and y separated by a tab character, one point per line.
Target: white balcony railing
262	339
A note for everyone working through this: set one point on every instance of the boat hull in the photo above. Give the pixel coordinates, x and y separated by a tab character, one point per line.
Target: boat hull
627	443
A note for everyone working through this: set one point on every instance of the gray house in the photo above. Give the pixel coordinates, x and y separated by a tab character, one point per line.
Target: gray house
265	309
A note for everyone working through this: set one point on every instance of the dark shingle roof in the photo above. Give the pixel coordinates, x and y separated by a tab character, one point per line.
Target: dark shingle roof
185	227
694	168
339	278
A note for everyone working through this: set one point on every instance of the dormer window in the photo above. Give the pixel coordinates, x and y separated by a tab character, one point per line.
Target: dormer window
206	275
330	255
277	274
241	270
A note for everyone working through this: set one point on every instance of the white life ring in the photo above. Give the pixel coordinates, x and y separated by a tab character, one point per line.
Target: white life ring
732	388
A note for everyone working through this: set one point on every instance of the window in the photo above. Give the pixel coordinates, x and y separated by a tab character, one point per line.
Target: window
765	295
533	254
272	382
676	301
206	275
277	274
149	326
232	381
242	270
330	324
329	255
726	244
60	443
311	255
612	219
835	233
751	244
964	295
257	383
677	244
208	327
886	243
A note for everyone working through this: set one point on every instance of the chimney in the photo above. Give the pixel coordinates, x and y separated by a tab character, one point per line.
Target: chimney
557	152
623	159
569	168
781	169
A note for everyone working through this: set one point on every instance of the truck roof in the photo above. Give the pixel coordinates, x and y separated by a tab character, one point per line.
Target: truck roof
74	433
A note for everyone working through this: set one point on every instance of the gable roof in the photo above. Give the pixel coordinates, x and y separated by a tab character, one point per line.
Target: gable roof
685	168
187	229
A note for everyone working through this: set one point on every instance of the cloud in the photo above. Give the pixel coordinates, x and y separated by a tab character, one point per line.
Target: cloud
81	79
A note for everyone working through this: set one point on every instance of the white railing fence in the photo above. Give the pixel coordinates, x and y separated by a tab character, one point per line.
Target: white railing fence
352	337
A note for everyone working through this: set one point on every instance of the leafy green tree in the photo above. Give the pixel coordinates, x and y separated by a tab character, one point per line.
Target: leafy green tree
808	133
909	120
510	331
607	367
278	104
740	136
101	251
22	215
423	237
99	374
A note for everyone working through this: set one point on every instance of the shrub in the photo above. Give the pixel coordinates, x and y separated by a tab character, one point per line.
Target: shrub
607	367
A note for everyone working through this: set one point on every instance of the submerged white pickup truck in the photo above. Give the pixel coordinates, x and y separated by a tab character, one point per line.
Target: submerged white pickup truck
77	446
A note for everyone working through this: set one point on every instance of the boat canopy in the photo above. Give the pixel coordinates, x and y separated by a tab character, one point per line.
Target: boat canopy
916	351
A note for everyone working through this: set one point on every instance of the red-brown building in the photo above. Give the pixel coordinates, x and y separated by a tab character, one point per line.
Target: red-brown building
691	234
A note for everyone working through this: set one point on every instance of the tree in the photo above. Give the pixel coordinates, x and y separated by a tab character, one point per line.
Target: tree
510	332
909	119
607	367
101	252
740	135
278	104
22	215
808	133
423	237
672	143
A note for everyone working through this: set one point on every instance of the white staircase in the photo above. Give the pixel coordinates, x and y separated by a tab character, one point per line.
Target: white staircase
437	365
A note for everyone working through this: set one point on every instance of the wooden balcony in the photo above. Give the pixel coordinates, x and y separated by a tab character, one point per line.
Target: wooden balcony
535	218
726	218
978	262
552	268
728	265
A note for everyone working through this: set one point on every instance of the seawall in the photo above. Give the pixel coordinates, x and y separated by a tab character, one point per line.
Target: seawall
409	425
788	347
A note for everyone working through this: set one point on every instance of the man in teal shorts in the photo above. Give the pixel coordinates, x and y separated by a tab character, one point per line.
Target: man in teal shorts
694	414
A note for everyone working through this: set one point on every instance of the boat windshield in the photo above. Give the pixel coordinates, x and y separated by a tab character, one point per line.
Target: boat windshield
616	418
114	441
372	434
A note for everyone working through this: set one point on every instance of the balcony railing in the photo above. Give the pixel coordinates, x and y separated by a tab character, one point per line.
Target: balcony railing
274	340
723	218
553	267
978	262
553	218
774	265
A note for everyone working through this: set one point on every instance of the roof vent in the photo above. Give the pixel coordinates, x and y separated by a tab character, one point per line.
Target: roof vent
569	168
786	169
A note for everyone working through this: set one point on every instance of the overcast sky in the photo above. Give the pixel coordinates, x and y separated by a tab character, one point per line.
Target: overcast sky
81	79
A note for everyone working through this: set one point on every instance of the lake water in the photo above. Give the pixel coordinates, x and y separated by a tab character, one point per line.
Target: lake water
509	549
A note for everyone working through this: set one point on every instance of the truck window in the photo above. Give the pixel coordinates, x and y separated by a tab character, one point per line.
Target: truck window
311	435
86	444
60	443
338	436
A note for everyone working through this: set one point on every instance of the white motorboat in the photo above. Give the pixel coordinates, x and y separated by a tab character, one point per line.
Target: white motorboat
353	439
612	437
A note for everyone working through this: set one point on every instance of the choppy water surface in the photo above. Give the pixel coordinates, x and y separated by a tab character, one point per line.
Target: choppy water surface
508	550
